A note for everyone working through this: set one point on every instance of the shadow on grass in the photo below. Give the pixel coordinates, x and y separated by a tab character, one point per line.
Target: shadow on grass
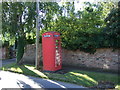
106	77
81	79
27	71
19	69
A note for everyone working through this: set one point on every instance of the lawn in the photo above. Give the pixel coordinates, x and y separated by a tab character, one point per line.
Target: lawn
84	78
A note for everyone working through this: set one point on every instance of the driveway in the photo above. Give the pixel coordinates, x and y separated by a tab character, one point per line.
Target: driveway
14	80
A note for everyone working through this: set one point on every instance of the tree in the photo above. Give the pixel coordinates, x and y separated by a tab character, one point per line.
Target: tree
18	19
113	27
19	22
82	30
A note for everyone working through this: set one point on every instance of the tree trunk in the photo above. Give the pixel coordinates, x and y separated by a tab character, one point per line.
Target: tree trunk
20	49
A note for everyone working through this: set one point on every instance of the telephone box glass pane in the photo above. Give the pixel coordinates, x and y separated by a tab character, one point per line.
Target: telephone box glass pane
57	53
57	44
56	35
46	35
57	58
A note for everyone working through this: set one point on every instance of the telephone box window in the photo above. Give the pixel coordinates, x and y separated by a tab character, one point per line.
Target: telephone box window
56	35
46	35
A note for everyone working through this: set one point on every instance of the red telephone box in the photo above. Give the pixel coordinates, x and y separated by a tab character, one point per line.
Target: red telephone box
51	49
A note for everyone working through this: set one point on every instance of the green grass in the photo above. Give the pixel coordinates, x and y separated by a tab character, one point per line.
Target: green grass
84	78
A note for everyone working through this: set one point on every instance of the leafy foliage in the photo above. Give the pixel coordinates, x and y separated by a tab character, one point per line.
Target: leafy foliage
83	30
113	27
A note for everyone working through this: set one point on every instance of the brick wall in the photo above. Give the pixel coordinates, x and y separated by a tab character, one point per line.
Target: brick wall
104	58
29	55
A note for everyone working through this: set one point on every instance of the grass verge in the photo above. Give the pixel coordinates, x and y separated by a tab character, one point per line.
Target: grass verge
84	78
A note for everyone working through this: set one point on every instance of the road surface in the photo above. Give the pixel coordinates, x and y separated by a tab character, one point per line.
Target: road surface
5	62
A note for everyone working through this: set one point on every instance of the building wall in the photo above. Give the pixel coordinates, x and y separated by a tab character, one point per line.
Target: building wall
104	58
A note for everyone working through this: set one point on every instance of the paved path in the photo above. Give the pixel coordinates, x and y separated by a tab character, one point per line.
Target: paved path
5	62
14	80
